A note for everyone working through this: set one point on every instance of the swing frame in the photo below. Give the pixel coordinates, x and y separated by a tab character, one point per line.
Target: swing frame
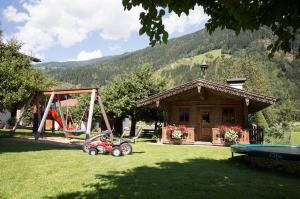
94	92
69	115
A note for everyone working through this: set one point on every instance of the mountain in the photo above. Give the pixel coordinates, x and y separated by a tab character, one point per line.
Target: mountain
98	71
68	64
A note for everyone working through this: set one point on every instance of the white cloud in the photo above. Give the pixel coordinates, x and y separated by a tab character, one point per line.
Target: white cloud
114	47
65	22
48	23
84	55
11	14
173	23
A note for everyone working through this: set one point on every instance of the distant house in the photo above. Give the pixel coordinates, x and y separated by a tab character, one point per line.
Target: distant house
203	106
4	117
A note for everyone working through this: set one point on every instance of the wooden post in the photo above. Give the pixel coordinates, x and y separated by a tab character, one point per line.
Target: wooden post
165	117
105	116
246	112
38	109
157	104
62	116
44	116
90	117
199	89
22	113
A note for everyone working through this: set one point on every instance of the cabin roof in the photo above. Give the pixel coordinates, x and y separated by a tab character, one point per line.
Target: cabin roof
253	96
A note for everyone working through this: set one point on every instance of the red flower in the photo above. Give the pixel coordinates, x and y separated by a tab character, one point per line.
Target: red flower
182	128
224	128
236	128
170	128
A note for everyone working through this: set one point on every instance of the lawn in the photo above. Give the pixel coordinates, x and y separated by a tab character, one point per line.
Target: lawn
295	138
30	170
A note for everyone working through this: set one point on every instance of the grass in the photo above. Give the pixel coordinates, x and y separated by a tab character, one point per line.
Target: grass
210	55
295	138
31	170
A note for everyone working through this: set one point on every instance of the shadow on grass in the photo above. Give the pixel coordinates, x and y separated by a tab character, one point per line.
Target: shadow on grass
196	178
7	145
9	134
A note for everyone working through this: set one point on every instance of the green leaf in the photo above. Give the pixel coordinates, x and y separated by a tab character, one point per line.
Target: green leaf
165	37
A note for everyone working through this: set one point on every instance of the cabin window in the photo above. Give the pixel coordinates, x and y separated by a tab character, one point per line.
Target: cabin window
205	117
228	116
184	115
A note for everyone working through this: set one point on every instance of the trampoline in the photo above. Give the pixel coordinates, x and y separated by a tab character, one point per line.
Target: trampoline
284	152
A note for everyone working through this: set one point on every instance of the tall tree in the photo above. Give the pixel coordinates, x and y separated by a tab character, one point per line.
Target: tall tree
18	78
282	17
121	94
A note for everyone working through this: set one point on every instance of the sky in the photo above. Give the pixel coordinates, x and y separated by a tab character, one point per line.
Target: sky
65	30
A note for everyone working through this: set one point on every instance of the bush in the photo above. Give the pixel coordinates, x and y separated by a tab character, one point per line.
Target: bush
296	127
278	134
231	136
260	120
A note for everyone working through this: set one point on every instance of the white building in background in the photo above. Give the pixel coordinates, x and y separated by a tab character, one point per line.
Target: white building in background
126	123
4	117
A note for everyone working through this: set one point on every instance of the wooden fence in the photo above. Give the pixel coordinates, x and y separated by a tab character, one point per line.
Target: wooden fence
256	135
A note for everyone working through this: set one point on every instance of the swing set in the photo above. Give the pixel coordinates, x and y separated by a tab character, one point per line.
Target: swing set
56	97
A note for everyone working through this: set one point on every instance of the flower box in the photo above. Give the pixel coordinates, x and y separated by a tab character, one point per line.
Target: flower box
176	134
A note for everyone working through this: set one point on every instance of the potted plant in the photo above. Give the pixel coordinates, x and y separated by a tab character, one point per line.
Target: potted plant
177	133
230	134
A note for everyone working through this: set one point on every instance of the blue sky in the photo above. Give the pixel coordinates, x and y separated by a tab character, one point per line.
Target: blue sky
61	30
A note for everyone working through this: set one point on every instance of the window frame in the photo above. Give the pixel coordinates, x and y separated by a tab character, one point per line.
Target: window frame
184	114
231	120
208	114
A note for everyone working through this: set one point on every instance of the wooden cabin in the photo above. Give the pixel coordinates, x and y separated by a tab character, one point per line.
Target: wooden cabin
202	106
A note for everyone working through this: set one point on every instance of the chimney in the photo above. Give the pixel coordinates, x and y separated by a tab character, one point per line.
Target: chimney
236	82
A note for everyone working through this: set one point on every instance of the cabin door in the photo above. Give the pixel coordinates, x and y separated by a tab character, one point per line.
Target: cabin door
205	130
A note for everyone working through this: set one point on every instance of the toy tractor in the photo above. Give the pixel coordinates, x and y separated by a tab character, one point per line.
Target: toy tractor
101	143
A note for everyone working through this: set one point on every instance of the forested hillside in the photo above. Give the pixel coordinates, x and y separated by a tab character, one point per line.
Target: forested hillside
69	64
159	56
228	56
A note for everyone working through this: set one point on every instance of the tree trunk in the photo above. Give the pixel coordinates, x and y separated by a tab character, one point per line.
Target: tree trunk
155	125
133	125
118	126
35	121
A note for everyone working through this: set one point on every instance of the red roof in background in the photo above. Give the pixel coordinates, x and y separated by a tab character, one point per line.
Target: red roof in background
68	102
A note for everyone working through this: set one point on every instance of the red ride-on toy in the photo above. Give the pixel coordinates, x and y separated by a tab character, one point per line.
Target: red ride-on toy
104	147
100	144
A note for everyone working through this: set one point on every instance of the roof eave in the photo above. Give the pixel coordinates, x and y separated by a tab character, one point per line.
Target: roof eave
210	85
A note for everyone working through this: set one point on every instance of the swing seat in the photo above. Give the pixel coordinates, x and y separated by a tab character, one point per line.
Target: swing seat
76	131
